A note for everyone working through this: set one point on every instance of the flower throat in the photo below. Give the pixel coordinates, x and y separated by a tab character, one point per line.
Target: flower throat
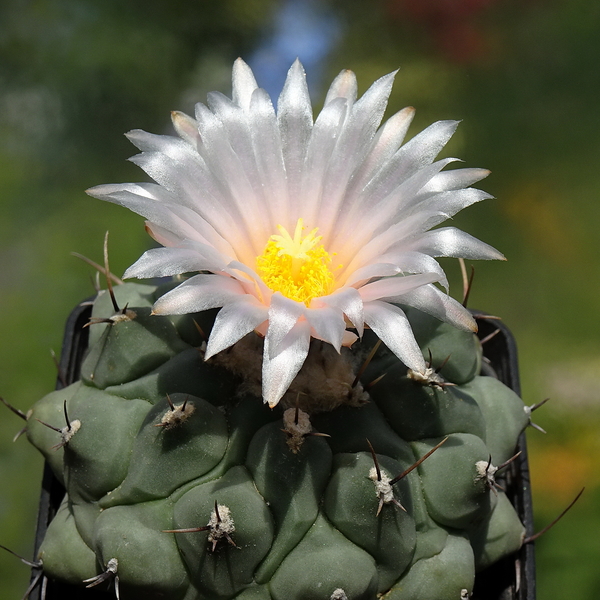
298	267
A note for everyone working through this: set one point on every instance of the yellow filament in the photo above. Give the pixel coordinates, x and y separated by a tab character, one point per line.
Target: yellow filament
298	267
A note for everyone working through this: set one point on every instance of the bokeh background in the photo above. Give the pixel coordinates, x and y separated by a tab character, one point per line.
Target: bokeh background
523	75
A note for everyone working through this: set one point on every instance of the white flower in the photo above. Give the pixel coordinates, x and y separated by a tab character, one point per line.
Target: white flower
302	229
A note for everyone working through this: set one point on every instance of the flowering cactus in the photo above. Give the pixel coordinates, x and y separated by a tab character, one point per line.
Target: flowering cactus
368	468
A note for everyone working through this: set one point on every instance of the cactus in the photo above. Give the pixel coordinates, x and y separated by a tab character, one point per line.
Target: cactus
186	485
368	469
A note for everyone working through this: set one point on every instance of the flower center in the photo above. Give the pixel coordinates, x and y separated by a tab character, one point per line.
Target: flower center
298	267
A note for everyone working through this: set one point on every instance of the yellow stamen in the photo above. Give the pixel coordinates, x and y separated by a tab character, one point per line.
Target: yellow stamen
298	267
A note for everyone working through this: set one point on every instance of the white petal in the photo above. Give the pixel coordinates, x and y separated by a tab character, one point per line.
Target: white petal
387	141
390	287
398	263
162	262
343	86
160	208
328	325
227	149
269	155
449	241
354	142
198	293
394	239
436	303
392	327
388	204
280	367
347	300
186	128
455	179
322	142
451	201
294	116
251	281
283	314
233	322
425	146
243	84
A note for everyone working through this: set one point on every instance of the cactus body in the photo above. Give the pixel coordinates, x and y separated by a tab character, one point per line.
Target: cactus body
170	442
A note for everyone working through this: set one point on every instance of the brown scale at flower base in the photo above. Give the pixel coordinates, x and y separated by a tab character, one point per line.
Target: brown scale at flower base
326	380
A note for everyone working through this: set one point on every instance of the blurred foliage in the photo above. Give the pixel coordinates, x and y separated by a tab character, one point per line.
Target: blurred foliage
76	74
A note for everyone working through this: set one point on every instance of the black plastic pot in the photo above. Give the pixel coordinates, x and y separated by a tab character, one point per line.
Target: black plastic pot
512	578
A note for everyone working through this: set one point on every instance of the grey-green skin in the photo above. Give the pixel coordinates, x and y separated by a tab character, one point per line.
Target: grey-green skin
306	523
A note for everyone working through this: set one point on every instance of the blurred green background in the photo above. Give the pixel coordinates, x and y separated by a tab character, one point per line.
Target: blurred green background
524	76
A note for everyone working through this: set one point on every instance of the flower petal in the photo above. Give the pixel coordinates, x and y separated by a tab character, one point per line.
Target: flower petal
328	325
295	120
354	142
343	86
322	142
243	84
186	128
436	303
455	179
390	287
233	322
348	300
162	262
398	263
198	293
449	241
283	315
392	327
279	368
266	139
386	142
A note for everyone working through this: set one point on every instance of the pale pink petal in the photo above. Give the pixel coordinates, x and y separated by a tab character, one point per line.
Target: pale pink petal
386	206
279	368
391	240
177	219
234	167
